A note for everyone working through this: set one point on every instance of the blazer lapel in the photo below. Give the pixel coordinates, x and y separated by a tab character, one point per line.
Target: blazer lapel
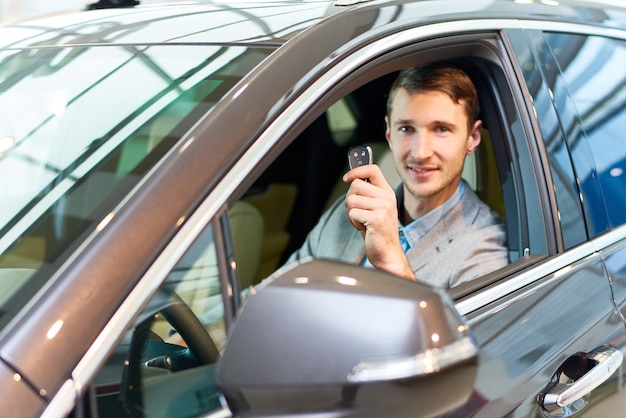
436	242
429	248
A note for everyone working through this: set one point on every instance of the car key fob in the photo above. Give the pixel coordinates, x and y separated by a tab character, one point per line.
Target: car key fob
360	155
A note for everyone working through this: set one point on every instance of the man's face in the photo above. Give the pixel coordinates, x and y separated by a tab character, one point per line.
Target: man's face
429	139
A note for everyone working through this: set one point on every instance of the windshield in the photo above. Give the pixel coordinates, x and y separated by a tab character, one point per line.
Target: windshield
80	126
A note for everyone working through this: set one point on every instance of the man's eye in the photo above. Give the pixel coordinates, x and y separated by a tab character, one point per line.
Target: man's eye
442	129
406	129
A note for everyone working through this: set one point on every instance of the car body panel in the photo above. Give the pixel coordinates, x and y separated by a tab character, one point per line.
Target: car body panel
614	260
18	394
555	328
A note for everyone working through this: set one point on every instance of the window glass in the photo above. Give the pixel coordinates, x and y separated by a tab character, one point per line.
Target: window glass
97	120
166	364
341	121
592	69
539	72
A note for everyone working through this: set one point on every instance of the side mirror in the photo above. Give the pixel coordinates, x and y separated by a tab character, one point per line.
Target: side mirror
326	336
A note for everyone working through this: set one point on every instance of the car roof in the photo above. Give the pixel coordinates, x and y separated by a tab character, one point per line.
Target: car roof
275	22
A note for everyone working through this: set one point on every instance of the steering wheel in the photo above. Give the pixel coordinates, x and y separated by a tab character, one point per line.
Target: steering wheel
147	349
201	349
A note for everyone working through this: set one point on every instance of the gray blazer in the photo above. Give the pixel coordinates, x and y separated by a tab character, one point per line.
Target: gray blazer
467	243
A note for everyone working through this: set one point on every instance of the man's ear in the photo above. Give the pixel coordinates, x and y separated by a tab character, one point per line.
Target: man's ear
474	137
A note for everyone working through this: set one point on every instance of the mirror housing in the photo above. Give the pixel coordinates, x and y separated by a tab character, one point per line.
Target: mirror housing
324	336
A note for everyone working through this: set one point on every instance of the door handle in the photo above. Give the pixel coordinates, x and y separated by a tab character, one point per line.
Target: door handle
568	391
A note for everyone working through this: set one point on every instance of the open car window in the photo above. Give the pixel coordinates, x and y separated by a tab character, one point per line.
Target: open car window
304	180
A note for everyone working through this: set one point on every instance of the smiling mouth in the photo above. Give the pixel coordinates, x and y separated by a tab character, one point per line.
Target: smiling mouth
421	170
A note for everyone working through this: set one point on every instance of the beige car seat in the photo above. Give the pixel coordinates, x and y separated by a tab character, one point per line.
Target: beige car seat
275	205
247	227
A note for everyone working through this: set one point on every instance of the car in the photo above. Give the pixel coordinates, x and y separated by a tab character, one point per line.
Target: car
159	163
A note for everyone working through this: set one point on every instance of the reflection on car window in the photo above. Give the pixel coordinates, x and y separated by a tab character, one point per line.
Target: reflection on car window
165	366
540	72
103	118
599	94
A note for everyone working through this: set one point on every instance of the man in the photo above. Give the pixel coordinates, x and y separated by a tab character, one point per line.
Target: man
433	227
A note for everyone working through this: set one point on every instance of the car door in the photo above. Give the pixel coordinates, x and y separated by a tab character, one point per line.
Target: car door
588	90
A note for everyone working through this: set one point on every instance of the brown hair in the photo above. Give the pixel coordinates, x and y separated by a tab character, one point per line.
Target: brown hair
444	78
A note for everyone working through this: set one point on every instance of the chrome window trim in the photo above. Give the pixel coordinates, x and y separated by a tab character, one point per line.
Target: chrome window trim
62	403
168	258
417	365
145	289
220	413
555	275
551	266
606	240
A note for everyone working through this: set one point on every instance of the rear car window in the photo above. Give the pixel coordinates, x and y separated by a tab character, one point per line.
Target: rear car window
593	75
541	73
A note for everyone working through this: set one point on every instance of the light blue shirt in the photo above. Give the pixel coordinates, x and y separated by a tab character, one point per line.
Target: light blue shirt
413	232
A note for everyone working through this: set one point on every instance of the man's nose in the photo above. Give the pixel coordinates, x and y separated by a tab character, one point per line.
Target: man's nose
422	146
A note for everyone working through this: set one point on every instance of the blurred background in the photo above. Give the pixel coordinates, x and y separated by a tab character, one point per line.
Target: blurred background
17	9
11	10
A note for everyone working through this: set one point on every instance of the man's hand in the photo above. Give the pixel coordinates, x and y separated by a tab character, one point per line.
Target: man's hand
372	209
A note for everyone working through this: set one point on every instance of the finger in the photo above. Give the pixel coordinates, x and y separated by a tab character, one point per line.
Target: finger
363	172
359	198
371	173
369	196
358	219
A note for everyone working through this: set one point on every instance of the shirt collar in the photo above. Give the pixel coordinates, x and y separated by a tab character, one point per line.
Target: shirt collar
411	233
